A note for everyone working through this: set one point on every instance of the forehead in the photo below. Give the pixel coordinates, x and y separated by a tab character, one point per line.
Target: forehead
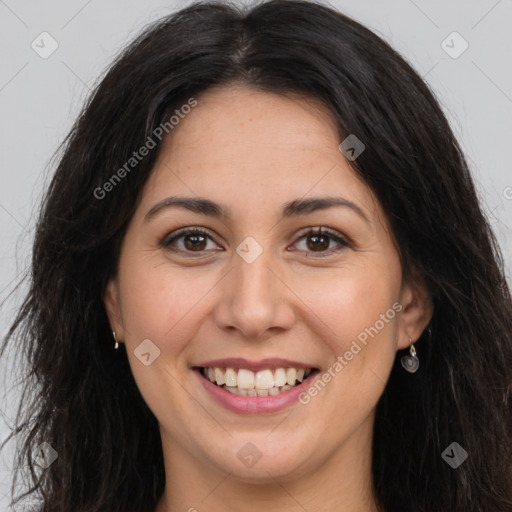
255	149
297	120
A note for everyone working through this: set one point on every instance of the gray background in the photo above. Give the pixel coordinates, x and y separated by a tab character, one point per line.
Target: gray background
40	98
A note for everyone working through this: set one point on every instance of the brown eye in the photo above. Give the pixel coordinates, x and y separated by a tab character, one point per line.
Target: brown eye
189	240
319	242
195	242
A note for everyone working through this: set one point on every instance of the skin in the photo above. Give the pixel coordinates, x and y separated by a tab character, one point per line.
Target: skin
251	152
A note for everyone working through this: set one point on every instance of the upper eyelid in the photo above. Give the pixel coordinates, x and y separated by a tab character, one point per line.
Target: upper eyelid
184	231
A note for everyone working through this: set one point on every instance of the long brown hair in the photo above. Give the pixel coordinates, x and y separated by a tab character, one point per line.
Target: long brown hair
81	397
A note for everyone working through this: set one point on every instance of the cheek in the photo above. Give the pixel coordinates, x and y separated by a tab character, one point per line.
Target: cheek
353	315
163	304
347	301
160	302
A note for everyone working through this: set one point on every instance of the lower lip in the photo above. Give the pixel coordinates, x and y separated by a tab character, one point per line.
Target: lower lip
254	404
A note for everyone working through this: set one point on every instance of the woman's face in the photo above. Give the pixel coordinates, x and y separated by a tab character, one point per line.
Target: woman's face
256	300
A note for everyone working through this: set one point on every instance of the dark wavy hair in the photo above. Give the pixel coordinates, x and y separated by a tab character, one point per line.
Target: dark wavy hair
80	396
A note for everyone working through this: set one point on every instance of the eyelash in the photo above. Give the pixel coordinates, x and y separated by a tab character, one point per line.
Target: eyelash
167	242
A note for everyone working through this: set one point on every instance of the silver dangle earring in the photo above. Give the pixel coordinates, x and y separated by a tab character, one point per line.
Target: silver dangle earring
116	346
411	362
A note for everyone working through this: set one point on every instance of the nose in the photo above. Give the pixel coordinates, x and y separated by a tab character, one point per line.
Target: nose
255	301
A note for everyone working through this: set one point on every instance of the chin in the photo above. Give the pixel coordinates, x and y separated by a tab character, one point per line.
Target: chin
256	459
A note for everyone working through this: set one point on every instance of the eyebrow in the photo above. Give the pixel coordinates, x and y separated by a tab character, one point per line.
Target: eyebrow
291	209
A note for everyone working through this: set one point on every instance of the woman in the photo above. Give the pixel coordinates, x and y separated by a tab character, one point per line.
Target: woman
262	281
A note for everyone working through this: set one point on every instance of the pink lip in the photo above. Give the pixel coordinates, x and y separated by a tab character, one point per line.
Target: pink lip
255	366
253	404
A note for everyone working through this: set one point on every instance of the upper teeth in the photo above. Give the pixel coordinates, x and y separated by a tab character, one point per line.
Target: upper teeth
264	379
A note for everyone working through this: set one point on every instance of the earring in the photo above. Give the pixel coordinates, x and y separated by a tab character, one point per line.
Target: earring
411	362
116	346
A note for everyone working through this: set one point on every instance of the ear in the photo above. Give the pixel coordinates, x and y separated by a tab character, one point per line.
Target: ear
112	308
417	311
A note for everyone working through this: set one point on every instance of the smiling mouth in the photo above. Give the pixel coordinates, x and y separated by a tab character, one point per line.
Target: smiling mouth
241	381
